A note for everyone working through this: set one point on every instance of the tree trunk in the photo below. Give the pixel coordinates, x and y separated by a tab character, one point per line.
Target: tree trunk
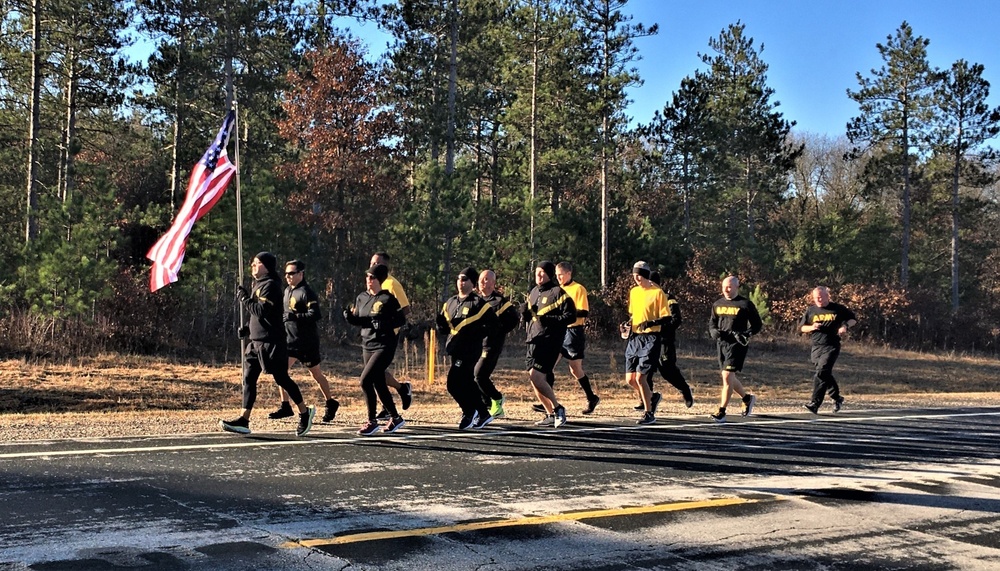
533	135
904	266
954	225
449	161
31	210
69	135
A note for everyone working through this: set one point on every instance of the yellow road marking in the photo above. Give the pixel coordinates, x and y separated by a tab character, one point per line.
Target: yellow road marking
533	520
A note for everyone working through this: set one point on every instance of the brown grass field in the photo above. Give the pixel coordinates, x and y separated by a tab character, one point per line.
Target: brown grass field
115	395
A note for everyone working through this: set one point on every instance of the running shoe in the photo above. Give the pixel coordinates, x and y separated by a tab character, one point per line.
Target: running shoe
560	416
395	424
748	402
647	418
483	420
811	407
719	416
496	408
331	410
538	408
283	411
383	415
371	428
406	394
591	404
640	406
837	404
688	398
239	425
655	402
549	420
305	421
468	421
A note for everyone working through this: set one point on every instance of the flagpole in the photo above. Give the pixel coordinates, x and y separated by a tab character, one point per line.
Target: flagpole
239	224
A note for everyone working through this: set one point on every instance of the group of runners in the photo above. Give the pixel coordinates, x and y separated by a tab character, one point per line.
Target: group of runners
475	323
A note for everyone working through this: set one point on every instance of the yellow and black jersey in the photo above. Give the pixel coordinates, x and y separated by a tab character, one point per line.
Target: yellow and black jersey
266	309
831	318
645	305
396	289
467	322
506	313
301	314
547	313
579	295
737	315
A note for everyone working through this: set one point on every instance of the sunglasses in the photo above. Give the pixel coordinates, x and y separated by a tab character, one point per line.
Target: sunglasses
293	273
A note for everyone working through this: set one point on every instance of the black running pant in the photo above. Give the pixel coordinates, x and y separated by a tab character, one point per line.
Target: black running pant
373	380
669	370
462	385
824	356
270	358
484	374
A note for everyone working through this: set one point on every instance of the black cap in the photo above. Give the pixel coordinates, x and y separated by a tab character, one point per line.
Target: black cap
269	261
654	277
379	272
642	268
470	272
549	268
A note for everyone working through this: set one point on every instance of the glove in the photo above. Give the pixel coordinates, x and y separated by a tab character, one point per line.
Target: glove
625	329
742	338
525	310
243	332
347	314
242	294
289	316
645	325
377	324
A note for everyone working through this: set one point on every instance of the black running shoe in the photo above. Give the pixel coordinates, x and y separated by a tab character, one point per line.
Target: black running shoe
283	411
239	425
371	427
688	398
748	402
647	418
406	394
383	415
655	402
484	419
468	421
305	421
837	404
538	408
811	408
640	406
331	410
591	404
719	416
395	424
559	415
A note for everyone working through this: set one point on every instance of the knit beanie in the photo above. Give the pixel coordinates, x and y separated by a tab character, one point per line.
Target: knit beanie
549	268
379	272
471	273
642	268
269	261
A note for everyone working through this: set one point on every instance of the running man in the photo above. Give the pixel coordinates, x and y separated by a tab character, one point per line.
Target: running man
467	320
507	320
648	312
734	319
575	341
378	314
668	352
267	350
547	312
825	322
301	316
391	284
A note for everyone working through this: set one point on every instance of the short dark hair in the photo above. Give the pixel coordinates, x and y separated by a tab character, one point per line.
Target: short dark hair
299	265
385	256
565	266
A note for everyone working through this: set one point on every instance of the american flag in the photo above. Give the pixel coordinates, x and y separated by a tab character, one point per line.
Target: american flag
208	181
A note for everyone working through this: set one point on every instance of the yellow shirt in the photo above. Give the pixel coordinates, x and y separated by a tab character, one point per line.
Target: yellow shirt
579	295
647	304
396	289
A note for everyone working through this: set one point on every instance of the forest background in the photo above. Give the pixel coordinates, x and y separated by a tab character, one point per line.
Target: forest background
492	133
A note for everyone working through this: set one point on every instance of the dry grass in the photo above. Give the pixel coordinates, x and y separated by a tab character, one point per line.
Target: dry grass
113	395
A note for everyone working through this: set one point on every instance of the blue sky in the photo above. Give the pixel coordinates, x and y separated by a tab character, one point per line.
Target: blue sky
813	48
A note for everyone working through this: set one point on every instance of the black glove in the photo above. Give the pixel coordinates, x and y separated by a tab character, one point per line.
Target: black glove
242	294
646	324
243	332
289	316
743	338
525	310
347	314
625	329
377	324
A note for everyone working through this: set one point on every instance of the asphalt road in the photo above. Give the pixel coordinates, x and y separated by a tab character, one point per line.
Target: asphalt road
891	489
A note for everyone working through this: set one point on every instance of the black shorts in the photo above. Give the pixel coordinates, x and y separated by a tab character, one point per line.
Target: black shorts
272	357
542	357
642	353
731	356
308	356
574	343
